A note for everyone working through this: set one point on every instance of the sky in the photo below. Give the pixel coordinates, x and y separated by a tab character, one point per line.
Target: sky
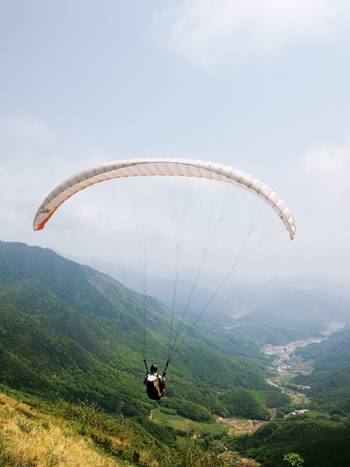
260	85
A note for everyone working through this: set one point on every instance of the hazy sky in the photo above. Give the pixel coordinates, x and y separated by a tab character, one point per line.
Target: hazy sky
262	85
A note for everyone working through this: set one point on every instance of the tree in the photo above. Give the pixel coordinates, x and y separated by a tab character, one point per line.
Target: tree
294	460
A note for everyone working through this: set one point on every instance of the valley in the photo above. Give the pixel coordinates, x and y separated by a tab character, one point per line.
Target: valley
284	351
286	365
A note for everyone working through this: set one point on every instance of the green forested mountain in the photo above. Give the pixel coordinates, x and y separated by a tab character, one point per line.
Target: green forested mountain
320	443
330	381
63	334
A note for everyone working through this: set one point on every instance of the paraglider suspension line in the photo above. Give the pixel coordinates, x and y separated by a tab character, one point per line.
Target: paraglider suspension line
166	367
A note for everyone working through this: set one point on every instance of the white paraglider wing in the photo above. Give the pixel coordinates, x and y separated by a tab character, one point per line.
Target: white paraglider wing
161	167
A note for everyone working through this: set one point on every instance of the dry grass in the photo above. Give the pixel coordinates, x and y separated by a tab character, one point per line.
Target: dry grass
64	434
30	438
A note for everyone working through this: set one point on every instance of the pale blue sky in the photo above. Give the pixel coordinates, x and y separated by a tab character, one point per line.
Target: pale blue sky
259	85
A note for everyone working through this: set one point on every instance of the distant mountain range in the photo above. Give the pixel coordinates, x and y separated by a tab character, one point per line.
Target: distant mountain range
316	283
276	311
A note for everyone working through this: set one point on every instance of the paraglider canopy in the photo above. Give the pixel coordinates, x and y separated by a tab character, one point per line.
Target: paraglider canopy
161	167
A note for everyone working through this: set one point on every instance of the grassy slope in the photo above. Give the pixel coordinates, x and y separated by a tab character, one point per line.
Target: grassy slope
34	433
31	437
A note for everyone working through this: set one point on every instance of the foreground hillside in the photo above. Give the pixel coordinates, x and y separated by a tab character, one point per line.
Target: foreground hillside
36	434
63	334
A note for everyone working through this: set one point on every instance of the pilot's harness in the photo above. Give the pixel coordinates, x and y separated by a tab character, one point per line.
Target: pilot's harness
156	377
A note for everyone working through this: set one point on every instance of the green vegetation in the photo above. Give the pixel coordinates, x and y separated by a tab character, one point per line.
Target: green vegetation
63	335
330	381
320	443
63	338
294	460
